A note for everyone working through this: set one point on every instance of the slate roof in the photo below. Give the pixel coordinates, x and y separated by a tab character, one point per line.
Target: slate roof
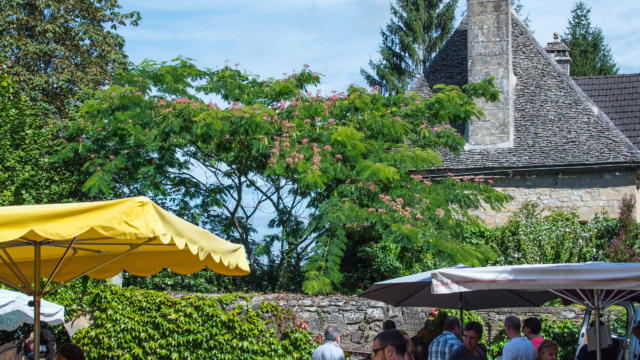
619	97
555	123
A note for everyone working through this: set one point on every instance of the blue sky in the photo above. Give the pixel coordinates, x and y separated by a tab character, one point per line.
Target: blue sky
335	37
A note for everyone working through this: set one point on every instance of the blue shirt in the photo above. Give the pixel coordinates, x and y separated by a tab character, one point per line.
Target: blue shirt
443	346
519	348
328	351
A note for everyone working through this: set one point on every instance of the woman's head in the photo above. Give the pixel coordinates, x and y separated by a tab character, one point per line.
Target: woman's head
548	350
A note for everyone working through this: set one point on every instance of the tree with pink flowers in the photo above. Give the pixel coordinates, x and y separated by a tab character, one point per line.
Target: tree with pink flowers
335	178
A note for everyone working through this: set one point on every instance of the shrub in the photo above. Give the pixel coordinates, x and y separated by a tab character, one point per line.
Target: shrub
130	323
532	236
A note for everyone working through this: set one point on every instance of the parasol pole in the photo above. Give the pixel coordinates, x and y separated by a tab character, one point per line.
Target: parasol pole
596	295
36	301
461	313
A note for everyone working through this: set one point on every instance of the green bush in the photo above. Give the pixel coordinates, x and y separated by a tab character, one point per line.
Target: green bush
130	323
565	332
534	236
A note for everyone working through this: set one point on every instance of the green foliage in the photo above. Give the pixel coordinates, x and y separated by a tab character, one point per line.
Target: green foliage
624	246
494	349
27	139
140	324
54	50
204	281
565	332
324	169
590	54
416	31
533	236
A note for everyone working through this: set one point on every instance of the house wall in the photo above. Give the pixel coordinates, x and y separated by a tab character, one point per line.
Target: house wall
589	193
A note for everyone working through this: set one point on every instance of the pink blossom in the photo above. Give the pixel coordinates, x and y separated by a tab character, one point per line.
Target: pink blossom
305	141
162	102
307	121
440	212
316	159
418	216
338	156
417	102
423	126
327	147
289	160
331	120
372	209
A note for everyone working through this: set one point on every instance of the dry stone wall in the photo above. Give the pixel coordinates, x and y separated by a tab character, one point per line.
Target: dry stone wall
361	319
589	193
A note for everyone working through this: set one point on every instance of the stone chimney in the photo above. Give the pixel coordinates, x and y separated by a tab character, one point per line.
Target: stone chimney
559	51
489	54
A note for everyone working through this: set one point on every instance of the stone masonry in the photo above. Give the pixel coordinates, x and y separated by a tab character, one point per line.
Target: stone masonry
589	193
361	319
489	54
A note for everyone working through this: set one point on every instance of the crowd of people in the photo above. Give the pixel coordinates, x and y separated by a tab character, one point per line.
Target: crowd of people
25	349
525	342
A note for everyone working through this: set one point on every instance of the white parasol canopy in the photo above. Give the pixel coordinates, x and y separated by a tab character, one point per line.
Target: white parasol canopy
15	310
596	285
415	290
577	283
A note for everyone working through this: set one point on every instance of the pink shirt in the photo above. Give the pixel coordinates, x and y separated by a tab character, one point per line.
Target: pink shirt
536	341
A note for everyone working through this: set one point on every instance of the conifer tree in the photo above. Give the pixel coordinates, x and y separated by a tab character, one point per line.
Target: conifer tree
590	54
418	28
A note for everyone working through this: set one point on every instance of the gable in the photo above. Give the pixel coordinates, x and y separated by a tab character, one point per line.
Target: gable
554	123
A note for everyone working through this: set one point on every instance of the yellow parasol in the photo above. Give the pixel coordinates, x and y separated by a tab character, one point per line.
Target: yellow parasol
63	242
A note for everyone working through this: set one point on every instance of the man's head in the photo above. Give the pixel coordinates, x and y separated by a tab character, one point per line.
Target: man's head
332	334
388	324
452	324
70	352
531	327
512	326
390	345
472	335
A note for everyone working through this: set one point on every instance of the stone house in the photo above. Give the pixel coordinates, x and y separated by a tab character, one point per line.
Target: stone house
546	139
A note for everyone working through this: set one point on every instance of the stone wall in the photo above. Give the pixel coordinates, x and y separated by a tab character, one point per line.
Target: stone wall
361	319
589	193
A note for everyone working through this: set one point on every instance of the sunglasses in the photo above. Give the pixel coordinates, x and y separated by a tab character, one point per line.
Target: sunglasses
375	351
